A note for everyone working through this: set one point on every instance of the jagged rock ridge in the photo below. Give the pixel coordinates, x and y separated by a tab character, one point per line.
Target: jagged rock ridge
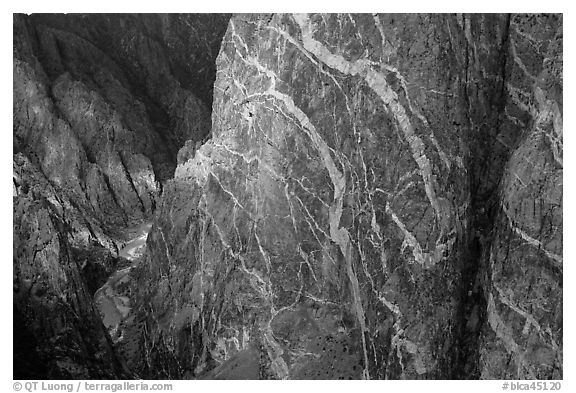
102	104
98	106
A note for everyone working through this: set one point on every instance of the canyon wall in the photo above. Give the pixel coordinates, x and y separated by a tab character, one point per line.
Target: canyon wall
376	196
522	264
381	198
101	105
57	332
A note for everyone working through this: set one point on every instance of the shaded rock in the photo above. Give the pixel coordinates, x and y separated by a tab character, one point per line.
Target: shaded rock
523	280
380	196
102	103
351	192
52	302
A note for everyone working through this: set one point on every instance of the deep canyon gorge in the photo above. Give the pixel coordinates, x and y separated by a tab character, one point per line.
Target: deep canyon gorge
288	196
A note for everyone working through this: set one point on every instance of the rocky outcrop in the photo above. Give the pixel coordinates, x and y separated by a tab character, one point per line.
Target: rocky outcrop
381	198
102	104
57	332
92	248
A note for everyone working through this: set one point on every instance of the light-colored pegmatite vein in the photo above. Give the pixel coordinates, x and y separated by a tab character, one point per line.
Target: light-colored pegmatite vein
544	112
262	285
400	342
339	235
166	248
413	109
425	259
226	191
549	112
544	334
387	47
393	308
250	158
319	67
556	259
519	61
298	45
309	190
256	279
419	115
377	82
505	334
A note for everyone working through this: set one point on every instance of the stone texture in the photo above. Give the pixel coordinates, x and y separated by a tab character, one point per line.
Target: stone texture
58	334
102	103
523	280
381	198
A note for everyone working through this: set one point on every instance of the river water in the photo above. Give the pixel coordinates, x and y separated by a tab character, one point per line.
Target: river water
112	300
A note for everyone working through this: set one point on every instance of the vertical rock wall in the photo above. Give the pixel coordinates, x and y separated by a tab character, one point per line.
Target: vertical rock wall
57	332
522	337
380	196
357	212
102	103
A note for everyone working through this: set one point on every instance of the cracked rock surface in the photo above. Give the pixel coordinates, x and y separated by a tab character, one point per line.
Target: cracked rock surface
332	196
101	105
57	332
381	198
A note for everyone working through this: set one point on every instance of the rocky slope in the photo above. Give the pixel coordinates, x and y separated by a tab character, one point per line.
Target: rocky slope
57	332
102	104
381	198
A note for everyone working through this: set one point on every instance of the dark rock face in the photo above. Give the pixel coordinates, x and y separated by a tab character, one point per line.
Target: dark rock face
522	337
58	334
381	198
102	104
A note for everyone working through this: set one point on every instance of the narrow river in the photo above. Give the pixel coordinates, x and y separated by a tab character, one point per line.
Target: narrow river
112	300
135	247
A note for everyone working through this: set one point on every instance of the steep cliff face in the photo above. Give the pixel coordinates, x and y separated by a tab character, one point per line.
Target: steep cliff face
94	251
522	337
102	104
381	198
58	333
